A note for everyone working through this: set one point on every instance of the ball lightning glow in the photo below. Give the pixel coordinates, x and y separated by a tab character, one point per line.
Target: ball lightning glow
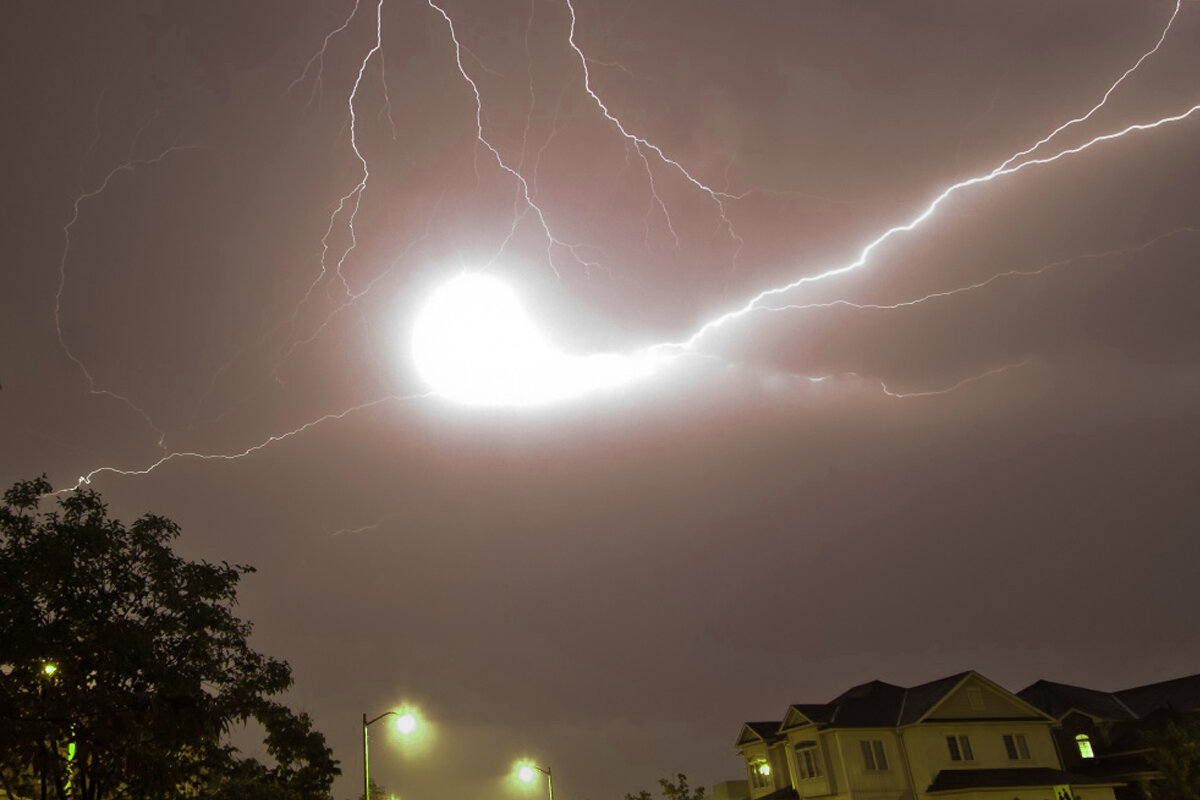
473	343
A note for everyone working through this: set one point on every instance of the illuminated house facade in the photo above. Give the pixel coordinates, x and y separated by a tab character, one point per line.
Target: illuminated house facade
962	737
1100	733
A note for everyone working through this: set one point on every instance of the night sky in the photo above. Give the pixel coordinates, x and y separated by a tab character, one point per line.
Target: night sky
978	449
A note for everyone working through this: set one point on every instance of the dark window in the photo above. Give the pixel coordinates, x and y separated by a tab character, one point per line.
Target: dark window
1016	746
960	748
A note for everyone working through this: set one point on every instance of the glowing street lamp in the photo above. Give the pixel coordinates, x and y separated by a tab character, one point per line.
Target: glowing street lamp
527	772
406	723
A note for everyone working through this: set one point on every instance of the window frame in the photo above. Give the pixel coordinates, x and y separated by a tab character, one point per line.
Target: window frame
808	762
1083	743
874	756
959	745
1016	747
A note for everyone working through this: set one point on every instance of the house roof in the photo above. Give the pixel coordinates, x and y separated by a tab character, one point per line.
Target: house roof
1179	694
1057	699
875	704
765	731
958	780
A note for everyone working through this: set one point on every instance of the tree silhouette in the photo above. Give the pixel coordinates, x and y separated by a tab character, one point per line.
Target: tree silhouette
123	666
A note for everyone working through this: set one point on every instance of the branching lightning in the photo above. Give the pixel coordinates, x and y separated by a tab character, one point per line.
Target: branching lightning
641	145
655	161
999	276
93	388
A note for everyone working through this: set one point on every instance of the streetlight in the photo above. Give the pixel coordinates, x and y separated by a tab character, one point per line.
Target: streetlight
406	723
527	773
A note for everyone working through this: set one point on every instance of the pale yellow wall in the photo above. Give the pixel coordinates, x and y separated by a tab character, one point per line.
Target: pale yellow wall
827	784
928	753
891	782
776	756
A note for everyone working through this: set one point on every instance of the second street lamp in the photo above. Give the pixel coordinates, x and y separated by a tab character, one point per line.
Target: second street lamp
527	772
406	723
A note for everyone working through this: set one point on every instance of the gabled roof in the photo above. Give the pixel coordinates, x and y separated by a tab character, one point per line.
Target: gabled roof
877	704
817	713
758	732
919	700
958	780
1058	699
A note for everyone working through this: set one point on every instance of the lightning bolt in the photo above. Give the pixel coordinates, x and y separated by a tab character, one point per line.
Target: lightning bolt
650	155
93	387
527	194
1009	166
641	145
972	379
179	455
756	302
1011	273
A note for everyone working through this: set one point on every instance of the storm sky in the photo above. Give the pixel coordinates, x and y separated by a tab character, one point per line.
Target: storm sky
978	449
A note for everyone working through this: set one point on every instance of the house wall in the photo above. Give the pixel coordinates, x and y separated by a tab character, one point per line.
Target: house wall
863	783
928	752
763	785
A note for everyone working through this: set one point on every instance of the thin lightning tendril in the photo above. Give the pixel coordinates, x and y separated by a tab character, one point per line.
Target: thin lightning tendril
526	193
270	440
972	379
641	144
93	388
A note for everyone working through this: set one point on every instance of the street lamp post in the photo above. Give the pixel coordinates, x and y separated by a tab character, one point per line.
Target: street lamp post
406	722
526	772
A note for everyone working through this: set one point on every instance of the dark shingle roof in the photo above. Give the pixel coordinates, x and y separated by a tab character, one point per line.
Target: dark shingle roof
1180	694
767	731
879	705
817	712
957	780
1056	699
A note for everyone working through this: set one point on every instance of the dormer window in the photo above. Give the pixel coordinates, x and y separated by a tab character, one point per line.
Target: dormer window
1085	746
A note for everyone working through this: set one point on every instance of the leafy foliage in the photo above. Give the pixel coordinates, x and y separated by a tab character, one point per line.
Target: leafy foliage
1176	758
672	790
149	666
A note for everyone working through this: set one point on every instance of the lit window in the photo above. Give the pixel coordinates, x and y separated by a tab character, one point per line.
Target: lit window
1016	747
808	762
873	756
760	773
960	748
1085	746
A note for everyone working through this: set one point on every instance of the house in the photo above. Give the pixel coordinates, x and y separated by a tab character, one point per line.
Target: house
962	737
1102	733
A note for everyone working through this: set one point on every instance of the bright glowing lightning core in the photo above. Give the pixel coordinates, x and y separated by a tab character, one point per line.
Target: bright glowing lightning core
474	344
